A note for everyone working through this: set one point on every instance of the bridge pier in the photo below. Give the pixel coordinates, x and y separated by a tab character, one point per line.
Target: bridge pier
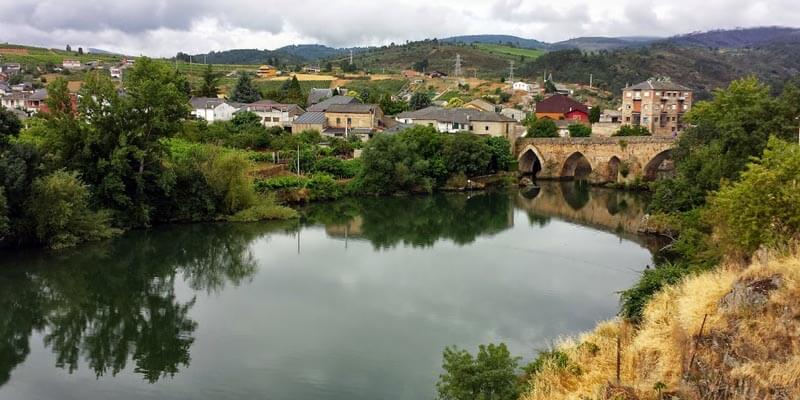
596	159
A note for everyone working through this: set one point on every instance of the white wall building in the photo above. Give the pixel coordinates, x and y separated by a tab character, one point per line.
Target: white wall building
212	109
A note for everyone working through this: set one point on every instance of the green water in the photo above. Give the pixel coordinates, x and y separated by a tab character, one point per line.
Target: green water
355	301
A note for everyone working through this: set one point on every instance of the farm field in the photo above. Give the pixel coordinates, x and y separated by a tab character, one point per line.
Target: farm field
510	51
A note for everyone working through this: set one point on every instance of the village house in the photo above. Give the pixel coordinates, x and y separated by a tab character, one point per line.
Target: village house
323	105
513	113
451	120
309	121
213	109
14	100
316	95
525	87
274	114
481	105
656	104
5	88
116	72
71	64
560	107
267	71
436	74
353	119
11	68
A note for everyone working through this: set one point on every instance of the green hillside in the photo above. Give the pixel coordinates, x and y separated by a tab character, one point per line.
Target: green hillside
510	51
38	55
485	60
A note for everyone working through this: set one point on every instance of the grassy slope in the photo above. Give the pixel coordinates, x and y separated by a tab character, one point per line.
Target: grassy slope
744	347
510	51
37	55
440	56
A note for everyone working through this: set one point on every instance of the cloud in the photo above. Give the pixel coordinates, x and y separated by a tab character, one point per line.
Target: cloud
164	27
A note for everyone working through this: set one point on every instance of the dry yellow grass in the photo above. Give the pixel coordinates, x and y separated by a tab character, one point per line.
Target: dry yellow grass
747	351
304	77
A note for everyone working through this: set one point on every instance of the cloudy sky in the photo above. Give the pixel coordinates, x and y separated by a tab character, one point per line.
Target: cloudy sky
164	27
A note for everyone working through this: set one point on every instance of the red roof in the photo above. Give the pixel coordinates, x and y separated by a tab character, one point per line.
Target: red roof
560	104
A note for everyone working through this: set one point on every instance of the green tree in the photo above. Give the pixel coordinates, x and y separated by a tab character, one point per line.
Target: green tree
245	91
419	100
209	86
467	154
761	209
59	206
726	133
10	125
542	128
490	374
500	149
294	93
549	86
4	222
579	130
594	114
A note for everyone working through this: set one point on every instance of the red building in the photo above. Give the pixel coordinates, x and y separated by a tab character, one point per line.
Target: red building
560	107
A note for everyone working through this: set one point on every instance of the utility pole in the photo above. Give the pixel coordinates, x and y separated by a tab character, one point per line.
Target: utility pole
351	56
511	72
591	77
457	70
298	161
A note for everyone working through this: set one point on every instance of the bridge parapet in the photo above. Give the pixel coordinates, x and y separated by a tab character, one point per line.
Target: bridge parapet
598	159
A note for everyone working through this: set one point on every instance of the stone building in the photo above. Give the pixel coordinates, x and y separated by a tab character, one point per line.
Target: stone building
658	105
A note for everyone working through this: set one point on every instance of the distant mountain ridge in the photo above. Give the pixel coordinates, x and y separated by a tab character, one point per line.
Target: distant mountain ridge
738	38
731	38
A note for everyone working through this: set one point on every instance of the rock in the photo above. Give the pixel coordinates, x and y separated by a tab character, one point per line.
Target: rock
750	294
525	182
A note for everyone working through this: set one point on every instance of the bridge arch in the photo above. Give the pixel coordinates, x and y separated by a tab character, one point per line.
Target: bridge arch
576	166
530	161
613	168
653	167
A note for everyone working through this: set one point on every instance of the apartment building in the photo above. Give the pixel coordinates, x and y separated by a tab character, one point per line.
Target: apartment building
658	105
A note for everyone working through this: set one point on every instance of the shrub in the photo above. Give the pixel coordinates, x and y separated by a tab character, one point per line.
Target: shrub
542	128
3	215
226	174
632	130
579	130
491	374
281	182
59	207
634	299
263	209
323	187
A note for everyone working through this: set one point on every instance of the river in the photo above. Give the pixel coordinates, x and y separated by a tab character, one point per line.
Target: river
356	300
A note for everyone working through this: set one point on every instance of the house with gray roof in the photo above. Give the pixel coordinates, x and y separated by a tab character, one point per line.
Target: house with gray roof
317	95
658	105
213	109
335	100
451	120
273	113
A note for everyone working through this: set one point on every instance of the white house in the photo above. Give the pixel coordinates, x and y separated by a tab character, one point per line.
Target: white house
115	72
513	113
71	64
274	114
213	109
522	86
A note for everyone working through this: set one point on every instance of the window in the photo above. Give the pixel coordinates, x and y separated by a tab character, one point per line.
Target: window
349	121
628	94
627	119
658	94
338	121
646	94
627	106
486	128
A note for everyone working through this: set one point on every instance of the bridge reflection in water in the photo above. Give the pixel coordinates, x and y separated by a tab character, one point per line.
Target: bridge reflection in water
462	218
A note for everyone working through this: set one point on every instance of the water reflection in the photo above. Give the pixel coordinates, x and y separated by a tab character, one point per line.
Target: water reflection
114	303
137	303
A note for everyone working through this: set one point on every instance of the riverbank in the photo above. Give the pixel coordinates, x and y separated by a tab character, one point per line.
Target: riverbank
729	333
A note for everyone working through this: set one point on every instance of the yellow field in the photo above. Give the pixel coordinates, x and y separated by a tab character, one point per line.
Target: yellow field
304	77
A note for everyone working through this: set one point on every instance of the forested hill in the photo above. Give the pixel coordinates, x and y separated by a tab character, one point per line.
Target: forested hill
738	38
701	68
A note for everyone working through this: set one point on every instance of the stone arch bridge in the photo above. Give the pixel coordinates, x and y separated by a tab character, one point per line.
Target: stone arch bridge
596	159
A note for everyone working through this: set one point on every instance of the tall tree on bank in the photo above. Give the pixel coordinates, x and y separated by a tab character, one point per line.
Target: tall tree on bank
209	86
294	93
245	91
419	100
